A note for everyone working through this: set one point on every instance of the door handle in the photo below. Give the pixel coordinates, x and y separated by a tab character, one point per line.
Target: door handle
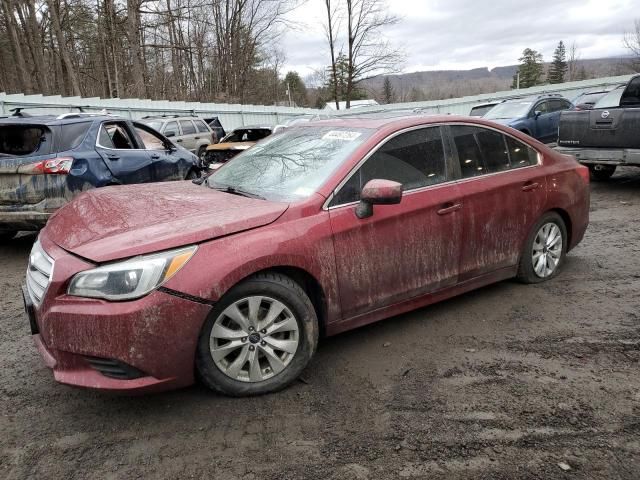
530	186
196	138
113	156
155	156
449	208
179	140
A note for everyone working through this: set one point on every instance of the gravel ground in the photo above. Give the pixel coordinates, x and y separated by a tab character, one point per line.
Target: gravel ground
508	382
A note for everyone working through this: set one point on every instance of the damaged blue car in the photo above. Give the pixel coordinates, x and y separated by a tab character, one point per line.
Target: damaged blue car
47	160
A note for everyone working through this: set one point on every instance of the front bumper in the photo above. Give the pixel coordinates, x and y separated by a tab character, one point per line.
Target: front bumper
23	219
156	335
603	156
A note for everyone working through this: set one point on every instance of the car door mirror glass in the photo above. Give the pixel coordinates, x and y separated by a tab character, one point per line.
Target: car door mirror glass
378	192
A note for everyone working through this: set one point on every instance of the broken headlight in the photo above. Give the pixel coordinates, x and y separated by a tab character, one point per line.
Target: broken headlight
129	279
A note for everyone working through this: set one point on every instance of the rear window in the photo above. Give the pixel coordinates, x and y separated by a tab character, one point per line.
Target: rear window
72	135
201	126
19	140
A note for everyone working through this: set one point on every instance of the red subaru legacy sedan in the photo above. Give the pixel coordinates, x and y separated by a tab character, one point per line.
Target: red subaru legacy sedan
323	228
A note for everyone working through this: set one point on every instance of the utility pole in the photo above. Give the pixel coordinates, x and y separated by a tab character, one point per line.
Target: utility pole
518	81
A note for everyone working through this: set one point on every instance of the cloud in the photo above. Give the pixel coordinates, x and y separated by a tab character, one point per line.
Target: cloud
462	34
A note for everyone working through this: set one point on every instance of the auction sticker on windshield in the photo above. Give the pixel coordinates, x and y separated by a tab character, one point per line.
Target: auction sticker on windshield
341	135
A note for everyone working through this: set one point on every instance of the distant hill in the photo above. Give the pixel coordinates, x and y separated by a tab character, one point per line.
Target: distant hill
441	84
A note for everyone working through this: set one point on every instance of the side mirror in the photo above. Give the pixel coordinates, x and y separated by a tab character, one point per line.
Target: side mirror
537	113
170	133
378	192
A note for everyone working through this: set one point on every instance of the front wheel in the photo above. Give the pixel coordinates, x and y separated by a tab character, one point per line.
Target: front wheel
544	251
600	173
258	338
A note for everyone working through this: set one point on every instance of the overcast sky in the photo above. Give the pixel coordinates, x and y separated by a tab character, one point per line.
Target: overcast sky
464	34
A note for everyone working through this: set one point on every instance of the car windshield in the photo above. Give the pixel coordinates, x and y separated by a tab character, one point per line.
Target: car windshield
290	166
611	99
509	110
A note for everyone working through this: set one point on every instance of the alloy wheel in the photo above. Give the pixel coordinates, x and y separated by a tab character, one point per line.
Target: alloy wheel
547	250
254	339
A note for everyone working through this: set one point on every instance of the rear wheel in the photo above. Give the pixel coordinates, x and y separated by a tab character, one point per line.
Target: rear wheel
259	337
545	250
601	172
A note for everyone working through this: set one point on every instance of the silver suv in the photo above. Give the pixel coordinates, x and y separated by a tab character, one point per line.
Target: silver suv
192	133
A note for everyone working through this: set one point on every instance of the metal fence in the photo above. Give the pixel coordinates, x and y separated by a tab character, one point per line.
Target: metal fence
236	115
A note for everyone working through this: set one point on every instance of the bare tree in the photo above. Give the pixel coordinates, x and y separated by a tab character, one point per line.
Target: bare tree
632	43
368	51
573	58
331	30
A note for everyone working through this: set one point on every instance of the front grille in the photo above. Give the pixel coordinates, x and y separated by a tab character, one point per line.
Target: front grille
114	368
39	273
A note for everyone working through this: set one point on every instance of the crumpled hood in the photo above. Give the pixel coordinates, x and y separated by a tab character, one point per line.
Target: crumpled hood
117	222
231	146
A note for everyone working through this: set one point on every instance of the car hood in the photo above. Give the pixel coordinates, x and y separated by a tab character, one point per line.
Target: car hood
231	146
117	222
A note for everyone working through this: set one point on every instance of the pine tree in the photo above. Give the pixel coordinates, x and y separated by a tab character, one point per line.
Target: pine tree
531	69
559	65
388	93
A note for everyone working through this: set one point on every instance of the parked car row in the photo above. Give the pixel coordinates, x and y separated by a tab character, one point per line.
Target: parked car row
46	161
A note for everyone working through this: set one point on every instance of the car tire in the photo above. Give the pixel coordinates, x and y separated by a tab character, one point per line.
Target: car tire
202	151
227	368
601	173
6	235
541	251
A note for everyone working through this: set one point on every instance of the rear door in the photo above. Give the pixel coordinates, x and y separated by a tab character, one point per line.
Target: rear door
189	134
544	126
503	192
128	161
557	107
405	250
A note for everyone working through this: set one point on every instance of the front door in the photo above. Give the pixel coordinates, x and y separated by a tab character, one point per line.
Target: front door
503	193
403	250
544	124
127	161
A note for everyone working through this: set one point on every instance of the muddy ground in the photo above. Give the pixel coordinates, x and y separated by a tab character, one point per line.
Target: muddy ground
502	383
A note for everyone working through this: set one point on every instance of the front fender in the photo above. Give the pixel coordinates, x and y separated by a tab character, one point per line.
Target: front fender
304	243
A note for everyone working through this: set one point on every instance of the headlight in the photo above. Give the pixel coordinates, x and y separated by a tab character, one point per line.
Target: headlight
131	278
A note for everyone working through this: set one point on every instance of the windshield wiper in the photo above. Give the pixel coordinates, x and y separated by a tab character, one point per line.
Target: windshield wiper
237	191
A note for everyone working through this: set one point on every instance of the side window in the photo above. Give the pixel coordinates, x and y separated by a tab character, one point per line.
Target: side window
521	155
72	135
187	127
558	105
115	135
542	107
494	151
171	127
415	159
482	151
469	153
201	126
150	140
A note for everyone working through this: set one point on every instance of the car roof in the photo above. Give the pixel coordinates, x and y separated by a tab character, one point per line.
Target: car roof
52	120
392	122
254	127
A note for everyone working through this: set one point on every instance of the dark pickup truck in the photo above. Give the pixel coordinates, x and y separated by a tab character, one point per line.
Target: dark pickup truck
607	136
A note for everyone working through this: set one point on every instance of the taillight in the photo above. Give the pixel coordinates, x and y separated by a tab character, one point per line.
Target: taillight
584	173
50	166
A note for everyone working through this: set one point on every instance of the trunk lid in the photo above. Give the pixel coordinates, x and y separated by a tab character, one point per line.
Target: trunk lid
117	222
610	128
